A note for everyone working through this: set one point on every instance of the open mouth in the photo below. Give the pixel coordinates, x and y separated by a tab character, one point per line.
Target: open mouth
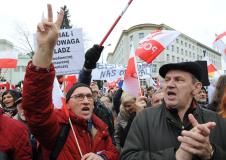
85	109
171	94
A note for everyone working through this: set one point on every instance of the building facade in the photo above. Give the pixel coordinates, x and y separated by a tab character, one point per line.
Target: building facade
183	49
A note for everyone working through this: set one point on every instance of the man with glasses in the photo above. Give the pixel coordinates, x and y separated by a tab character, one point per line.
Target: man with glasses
88	136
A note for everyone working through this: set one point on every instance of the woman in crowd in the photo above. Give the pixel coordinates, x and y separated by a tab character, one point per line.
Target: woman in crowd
128	109
218	94
223	105
8	102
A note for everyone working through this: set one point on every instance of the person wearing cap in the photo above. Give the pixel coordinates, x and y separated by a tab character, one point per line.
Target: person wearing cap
179	128
201	97
88	137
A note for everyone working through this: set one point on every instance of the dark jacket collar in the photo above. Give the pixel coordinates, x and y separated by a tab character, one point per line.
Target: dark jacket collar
173	118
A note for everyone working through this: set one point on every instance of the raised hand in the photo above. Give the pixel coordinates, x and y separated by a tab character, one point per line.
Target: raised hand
47	35
141	103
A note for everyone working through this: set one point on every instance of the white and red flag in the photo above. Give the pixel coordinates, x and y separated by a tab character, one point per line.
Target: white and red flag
155	43
212	70
58	98
8	59
220	46
131	84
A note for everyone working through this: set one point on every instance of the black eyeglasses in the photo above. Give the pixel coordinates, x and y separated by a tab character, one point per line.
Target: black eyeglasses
81	97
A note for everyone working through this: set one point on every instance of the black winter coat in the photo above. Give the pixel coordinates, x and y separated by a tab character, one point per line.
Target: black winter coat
153	134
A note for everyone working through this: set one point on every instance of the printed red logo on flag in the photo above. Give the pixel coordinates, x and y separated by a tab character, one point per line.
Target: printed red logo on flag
149	50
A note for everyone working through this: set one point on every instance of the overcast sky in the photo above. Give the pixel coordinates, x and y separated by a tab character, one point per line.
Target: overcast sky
198	19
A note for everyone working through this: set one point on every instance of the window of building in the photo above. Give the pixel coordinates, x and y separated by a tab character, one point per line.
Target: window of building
131	38
190	54
177	49
141	35
185	44
182	51
172	48
178	59
173	58
17	69
186	53
182	59
177	40
167	57
181	42
189	45
154	68
24	68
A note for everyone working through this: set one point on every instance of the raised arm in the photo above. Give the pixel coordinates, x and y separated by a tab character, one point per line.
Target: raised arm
38	83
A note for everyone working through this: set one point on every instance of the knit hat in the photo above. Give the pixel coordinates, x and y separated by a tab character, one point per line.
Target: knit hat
74	87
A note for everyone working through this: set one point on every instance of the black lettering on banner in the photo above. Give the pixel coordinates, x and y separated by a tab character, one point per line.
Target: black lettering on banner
63	34
102	74
62	50
108	73
122	72
113	72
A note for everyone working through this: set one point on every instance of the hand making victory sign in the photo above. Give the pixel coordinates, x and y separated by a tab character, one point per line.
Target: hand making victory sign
47	35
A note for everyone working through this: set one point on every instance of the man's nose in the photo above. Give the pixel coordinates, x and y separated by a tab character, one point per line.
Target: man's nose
171	83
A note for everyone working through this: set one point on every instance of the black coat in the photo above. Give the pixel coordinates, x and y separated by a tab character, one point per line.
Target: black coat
153	134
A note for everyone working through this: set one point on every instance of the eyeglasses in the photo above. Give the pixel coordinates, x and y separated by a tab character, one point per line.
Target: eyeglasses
81	97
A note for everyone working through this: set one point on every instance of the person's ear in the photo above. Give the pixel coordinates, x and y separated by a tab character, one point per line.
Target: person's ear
196	88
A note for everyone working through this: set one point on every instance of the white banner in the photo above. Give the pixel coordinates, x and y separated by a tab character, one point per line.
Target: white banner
68	57
111	72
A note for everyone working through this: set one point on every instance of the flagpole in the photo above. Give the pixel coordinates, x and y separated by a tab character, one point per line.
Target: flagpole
76	139
135	59
114	24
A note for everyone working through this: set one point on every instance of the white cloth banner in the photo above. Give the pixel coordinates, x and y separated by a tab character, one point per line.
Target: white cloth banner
68	57
111	72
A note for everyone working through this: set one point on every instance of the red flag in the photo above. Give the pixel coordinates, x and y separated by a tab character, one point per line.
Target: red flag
154	43
70	81
210	66
220	36
8	59
211	70
131	84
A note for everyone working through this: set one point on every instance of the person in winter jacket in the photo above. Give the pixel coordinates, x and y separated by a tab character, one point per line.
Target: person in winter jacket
14	139
179	128
88	137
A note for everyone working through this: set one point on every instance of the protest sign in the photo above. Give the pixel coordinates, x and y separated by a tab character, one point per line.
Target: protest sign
68	56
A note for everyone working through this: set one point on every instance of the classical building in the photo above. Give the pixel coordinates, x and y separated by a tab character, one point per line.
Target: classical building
14	75
183	49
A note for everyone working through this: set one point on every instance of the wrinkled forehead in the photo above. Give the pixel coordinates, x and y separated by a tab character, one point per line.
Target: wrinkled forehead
178	73
83	89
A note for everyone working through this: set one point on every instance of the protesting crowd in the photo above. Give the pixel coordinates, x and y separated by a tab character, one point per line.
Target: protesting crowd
173	122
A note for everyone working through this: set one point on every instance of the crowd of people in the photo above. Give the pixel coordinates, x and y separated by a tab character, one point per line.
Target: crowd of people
175	121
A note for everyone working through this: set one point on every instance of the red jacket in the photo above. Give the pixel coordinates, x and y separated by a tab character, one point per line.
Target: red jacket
45	122
14	139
